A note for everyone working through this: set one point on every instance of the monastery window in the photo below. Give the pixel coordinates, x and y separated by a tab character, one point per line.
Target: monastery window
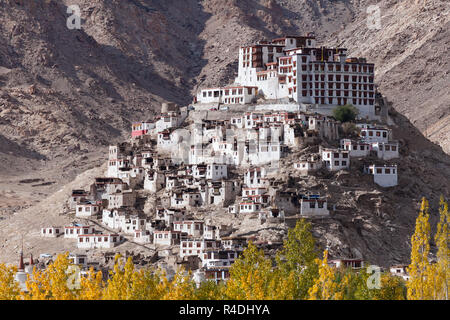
312	205
384	134
378	133
394	148
344	163
371	133
81	239
320	204
209	93
393	171
336	163
387	171
379	170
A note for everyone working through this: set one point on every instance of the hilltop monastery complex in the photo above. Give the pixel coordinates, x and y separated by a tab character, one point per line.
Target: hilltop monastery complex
224	152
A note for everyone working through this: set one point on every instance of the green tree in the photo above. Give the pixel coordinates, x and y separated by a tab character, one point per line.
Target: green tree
345	113
298	256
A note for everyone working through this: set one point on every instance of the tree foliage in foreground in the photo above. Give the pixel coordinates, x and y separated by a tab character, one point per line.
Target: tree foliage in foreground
296	272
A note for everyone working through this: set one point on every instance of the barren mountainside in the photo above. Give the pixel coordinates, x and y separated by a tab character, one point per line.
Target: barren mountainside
61	87
66	94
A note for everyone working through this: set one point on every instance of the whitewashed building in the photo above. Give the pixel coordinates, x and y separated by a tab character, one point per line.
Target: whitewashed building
51	232
335	159
386	150
166	237
256	177
98	241
72	232
356	148
313	205
385	176
197	247
142	236
308	166
371	133
154	181
122	220
227	95
193	228
88	209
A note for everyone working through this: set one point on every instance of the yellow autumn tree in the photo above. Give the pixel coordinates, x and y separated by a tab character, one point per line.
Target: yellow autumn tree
253	278
327	286
9	288
392	288
441	274
209	290
91	286
119	286
147	284
418	286
56	282
181	287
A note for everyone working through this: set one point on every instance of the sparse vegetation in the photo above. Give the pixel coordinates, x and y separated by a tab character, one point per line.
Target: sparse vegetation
296	273
345	113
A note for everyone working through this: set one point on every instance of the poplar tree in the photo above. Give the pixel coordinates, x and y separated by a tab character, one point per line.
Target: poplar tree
418	284
9	288
326	287
53	283
298	257
252	278
443	254
92	286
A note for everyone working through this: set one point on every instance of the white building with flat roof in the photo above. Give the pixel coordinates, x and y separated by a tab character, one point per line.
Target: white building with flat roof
335	159
371	133
72	232
356	148
227	95
166	237
88	209
98	241
385	176
386	150
51	232
313	205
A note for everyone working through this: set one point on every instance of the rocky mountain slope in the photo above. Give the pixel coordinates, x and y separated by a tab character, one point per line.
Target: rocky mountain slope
66	94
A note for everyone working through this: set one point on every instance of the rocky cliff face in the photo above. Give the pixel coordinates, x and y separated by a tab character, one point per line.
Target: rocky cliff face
66	94
62	87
